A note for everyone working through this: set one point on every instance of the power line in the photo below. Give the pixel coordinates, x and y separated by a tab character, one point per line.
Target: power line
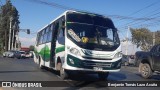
150	24
1	3
150	19
53	4
147	18
133	18
150	5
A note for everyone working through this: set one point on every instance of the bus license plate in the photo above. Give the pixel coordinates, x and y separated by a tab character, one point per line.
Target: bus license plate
97	68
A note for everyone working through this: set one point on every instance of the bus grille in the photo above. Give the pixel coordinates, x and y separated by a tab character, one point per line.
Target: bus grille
96	58
97	64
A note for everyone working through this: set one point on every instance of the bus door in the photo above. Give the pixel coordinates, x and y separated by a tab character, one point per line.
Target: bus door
57	38
45	48
53	43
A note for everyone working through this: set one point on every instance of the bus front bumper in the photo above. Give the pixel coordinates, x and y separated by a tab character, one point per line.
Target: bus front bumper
74	63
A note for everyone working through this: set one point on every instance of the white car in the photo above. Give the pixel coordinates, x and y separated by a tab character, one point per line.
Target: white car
28	55
8	54
125	60
132	59
5	54
22	54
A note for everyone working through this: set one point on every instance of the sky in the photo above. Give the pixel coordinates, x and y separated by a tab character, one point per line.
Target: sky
34	16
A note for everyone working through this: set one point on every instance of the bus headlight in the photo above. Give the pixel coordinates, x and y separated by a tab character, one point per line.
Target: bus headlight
118	55
75	51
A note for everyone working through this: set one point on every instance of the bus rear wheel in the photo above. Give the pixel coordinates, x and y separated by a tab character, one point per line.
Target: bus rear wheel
63	73
40	66
103	75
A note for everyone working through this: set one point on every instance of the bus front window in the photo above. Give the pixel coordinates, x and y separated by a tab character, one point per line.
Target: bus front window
94	34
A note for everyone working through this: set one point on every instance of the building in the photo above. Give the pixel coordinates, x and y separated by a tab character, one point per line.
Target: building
25	49
128	48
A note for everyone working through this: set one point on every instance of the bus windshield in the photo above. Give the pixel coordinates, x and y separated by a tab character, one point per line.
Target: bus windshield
92	32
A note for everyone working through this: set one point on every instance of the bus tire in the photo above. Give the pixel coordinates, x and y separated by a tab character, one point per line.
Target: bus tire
63	73
40	66
103	75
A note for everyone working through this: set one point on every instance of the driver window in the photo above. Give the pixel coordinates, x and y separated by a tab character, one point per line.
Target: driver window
109	33
61	33
61	38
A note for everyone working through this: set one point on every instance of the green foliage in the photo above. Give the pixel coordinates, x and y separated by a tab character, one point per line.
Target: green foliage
157	37
142	37
31	48
8	11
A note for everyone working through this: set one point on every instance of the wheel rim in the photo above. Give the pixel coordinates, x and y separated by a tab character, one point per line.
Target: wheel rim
145	70
62	71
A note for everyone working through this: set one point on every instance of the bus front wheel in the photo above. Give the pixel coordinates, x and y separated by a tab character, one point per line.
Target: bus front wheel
63	73
102	75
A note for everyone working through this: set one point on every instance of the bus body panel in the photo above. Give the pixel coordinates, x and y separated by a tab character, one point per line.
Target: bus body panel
43	52
89	60
59	53
98	59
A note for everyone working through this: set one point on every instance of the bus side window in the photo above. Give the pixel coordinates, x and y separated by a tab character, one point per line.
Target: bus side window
49	34
49	38
61	38
63	27
56	32
40	38
44	36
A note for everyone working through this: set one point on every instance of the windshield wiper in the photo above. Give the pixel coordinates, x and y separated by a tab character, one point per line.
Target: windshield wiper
98	35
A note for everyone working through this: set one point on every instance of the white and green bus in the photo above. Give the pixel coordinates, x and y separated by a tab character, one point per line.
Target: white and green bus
79	41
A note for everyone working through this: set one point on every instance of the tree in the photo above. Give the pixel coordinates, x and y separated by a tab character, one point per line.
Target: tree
31	48
8	10
142	37
157	37
1	46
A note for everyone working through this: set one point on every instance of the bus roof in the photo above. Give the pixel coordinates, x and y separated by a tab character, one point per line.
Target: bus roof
82	12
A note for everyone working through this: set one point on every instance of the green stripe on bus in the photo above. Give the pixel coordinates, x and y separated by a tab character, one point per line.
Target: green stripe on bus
60	49
45	53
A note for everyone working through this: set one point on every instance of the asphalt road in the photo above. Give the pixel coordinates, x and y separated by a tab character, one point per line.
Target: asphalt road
26	70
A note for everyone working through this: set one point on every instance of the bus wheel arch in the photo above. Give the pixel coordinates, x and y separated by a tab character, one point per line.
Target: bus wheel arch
58	64
39	62
62	72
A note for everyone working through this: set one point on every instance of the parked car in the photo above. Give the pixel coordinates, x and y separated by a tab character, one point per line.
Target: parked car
149	62
125	60
27	54
128	60
9	54
131	60
20	54
31	54
5	54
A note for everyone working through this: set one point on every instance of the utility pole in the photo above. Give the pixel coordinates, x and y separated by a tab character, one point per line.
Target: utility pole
16	38
133	50
12	39
13	35
127	40
154	36
10	29
15	41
